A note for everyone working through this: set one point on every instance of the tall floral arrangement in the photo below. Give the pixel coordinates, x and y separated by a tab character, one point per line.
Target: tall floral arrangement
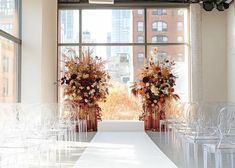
85	81
156	84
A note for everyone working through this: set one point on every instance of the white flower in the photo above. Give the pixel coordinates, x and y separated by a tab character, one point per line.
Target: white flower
154	90
148	96
139	87
86	100
165	91
88	88
147	84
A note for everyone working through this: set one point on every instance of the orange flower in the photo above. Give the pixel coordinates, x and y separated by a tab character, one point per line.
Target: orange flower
142	83
158	69
141	91
155	50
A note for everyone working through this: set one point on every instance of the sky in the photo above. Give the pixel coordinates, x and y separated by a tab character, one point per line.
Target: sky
95	18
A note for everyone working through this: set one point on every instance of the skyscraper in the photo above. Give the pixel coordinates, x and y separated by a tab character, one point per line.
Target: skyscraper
67	24
119	61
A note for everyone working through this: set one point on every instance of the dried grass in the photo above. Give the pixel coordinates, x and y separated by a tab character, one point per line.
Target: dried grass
121	104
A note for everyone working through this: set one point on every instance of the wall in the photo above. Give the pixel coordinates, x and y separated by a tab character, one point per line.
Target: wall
214	56
39	25
195	61
231	52
49	51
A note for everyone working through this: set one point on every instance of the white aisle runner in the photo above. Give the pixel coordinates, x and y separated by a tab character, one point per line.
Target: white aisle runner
123	150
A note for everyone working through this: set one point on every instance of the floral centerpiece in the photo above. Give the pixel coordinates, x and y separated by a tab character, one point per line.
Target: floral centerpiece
85	82
155	86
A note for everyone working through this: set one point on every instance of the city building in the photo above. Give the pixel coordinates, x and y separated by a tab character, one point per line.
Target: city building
164	25
119	62
8	58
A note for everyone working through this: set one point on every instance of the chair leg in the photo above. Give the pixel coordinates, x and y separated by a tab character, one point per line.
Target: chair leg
205	159
218	160
231	157
195	155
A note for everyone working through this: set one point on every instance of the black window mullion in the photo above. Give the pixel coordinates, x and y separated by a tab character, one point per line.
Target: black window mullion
145	44
145	35
80	32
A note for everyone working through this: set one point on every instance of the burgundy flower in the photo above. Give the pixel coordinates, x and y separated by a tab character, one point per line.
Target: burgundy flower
63	80
97	79
74	76
145	79
67	81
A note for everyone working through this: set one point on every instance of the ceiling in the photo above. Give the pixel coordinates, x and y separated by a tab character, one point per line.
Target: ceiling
131	1
161	1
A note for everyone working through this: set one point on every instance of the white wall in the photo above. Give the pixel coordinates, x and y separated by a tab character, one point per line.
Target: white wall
214	56
39	27
196	52
49	51
231	52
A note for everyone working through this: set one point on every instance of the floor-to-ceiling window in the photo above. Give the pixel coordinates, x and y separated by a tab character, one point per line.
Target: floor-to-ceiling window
126	37
9	49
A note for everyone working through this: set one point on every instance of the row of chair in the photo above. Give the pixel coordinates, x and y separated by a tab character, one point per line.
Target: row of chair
38	134
207	128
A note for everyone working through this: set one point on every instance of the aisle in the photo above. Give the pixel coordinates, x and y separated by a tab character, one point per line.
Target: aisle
123	150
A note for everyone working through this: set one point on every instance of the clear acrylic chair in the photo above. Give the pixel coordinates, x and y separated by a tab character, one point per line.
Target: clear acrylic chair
169	114
203	124
13	133
224	150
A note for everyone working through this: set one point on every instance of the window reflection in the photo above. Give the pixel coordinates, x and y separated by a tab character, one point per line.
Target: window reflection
8	72
9	16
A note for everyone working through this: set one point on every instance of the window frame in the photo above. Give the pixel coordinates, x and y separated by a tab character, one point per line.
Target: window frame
157	22
146	44
142	39
138	58
160	37
142	27
16	40
180	26
140	13
159	12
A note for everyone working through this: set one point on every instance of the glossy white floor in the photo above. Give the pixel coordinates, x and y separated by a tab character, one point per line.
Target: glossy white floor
123	150
122	144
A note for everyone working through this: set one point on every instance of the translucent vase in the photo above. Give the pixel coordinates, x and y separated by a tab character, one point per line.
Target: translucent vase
89	113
